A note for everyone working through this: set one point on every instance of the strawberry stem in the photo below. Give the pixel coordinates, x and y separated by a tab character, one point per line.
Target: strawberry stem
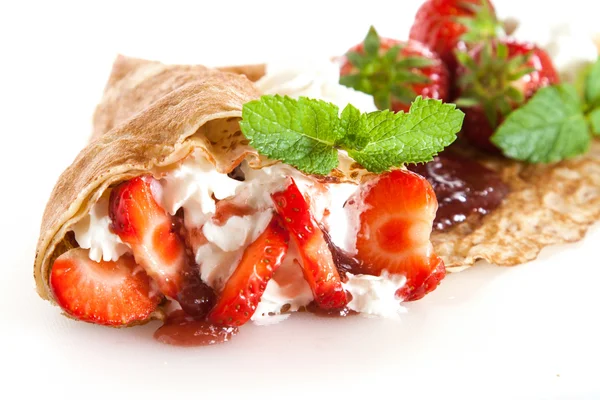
384	74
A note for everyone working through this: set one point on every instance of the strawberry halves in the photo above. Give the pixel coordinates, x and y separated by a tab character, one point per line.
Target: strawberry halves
244	289
111	293
396	218
317	261
156	245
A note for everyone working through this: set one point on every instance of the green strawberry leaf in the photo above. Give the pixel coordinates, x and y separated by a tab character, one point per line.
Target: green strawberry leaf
383	72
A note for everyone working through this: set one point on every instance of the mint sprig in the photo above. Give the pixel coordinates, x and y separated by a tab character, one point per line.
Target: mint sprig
549	128
308	133
555	124
592	97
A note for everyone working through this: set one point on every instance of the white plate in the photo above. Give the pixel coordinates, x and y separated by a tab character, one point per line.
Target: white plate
489	332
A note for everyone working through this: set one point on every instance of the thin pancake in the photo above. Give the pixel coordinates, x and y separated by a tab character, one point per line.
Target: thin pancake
178	109
548	204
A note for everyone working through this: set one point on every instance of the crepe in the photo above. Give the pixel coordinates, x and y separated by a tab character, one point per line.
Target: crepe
548	204
153	116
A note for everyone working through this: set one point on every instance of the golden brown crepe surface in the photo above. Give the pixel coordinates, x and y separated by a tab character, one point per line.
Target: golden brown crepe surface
548	204
154	115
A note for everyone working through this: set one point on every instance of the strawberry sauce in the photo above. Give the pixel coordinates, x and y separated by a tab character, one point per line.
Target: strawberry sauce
329	313
180	329
463	188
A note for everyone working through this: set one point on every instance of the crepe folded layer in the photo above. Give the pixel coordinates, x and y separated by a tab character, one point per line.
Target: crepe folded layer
150	118
548	204
154	116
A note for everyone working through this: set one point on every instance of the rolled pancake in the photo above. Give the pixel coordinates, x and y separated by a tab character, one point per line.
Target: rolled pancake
179	109
151	117
548	204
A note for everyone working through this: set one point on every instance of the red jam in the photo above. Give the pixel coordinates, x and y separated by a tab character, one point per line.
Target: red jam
182	330
463	188
333	313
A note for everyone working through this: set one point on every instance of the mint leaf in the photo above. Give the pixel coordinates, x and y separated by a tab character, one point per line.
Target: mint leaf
389	139
300	132
592	85
308	133
550	127
594	119
352	124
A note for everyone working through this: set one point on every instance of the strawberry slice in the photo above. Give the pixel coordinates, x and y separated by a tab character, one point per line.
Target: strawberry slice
155	242
396	217
111	293
317	261
237	303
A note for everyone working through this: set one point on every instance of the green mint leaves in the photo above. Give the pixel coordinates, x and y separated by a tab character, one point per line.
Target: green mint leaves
548	128
592	97
308	133
554	125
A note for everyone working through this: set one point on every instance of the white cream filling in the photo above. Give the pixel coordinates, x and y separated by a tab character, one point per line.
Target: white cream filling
287	288
192	186
93	233
375	295
313	78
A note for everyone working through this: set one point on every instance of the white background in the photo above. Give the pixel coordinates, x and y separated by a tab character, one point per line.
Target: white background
489	332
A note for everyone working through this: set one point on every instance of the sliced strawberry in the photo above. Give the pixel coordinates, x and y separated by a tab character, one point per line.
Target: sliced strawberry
238	300
156	244
396	217
394	72
108	293
317	261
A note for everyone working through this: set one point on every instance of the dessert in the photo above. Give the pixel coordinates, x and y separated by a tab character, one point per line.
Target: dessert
181	211
501	203
210	200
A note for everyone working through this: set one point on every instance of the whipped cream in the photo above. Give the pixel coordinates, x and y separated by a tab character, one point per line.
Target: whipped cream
317	79
226	244
375	295
93	233
288	291
192	186
219	255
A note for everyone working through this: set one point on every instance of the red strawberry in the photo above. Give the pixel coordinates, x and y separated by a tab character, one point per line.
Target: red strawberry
238	300
442	24
495	78
394	72
317	261
155	242
108	293
396	218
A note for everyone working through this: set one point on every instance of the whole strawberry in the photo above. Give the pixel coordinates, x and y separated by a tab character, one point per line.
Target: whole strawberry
494	79
444	26
394	72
